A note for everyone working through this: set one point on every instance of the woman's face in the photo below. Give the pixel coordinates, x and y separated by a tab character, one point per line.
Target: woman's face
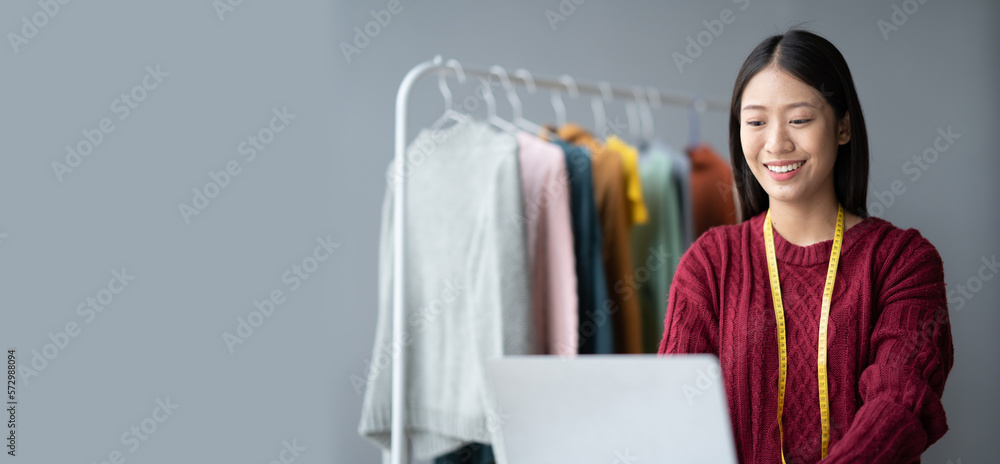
790	136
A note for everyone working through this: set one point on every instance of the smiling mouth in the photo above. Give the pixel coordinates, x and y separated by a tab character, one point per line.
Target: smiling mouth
785	168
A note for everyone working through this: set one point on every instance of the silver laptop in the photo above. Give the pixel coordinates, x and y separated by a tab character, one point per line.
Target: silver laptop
611	409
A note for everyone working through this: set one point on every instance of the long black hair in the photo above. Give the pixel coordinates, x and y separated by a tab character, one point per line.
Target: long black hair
815	61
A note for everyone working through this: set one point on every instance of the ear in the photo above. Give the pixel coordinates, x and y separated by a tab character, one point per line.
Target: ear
844	129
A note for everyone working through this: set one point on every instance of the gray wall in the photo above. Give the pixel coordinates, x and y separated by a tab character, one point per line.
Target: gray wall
162	336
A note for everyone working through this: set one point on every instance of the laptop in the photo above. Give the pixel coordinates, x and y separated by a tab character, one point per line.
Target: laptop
611	409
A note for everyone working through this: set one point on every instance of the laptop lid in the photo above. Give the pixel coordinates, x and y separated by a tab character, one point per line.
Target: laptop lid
611	409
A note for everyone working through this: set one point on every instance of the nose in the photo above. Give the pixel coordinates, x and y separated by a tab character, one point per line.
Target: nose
778	141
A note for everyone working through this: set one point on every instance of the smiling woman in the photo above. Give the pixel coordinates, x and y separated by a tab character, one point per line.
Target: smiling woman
794	95
856	372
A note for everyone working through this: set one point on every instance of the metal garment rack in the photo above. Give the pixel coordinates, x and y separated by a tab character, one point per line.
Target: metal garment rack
399	443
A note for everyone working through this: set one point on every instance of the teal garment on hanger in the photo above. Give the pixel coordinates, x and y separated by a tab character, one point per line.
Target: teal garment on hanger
473	453
595	336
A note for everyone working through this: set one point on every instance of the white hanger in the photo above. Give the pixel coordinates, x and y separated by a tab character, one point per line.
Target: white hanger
519	119
653	100
597	104
557	104
450	114
698	106
632	112
646	115
515	102
491	110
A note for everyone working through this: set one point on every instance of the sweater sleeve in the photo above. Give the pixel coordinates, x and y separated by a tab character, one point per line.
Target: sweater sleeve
563	324
910	357
691	324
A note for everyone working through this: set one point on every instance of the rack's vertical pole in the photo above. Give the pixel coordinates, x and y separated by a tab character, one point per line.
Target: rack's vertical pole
399	450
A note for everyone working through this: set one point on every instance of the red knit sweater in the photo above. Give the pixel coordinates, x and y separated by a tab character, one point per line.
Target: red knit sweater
889	340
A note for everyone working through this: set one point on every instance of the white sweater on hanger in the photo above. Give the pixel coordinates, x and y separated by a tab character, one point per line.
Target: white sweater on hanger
467	295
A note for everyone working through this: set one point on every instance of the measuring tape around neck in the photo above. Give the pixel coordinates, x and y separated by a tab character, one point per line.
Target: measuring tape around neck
779	314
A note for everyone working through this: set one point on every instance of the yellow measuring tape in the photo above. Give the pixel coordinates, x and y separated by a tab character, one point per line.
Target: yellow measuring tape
779	314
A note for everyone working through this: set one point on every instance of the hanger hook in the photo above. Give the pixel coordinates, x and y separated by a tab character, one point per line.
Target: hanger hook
600	120
515	102
597	104
442	79
654	97
646	113
559	107
631	110
459	72
529	81
606	94
570	84
491	103
443	85
698	106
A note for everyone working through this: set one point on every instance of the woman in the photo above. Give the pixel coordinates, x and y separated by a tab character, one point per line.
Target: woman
800	158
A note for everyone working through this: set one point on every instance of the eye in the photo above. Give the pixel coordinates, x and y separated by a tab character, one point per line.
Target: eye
800	121
755	123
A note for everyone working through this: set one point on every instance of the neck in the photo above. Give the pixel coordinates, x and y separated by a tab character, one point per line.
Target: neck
804	224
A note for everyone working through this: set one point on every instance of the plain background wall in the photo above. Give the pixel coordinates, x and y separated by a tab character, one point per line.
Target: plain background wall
323	178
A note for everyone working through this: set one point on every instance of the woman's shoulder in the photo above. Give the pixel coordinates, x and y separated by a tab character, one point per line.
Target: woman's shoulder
718	244
728	235
893	245
886	233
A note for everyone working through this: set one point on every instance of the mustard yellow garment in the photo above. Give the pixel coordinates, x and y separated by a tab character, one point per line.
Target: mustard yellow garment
633	186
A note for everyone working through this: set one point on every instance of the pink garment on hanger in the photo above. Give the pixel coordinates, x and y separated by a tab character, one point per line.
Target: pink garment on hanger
545	184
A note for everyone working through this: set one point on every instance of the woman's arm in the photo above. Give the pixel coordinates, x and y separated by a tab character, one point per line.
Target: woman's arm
910	357
691	324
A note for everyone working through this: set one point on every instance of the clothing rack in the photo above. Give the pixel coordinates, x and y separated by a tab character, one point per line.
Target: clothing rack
607	92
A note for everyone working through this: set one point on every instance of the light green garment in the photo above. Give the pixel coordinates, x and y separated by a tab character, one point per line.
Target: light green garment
657	245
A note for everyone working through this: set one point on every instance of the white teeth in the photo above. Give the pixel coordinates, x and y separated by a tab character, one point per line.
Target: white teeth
786	168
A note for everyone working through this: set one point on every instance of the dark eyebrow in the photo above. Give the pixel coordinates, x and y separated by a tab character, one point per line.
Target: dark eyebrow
790	105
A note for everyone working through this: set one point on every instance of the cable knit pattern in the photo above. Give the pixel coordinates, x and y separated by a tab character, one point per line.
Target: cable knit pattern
889	340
